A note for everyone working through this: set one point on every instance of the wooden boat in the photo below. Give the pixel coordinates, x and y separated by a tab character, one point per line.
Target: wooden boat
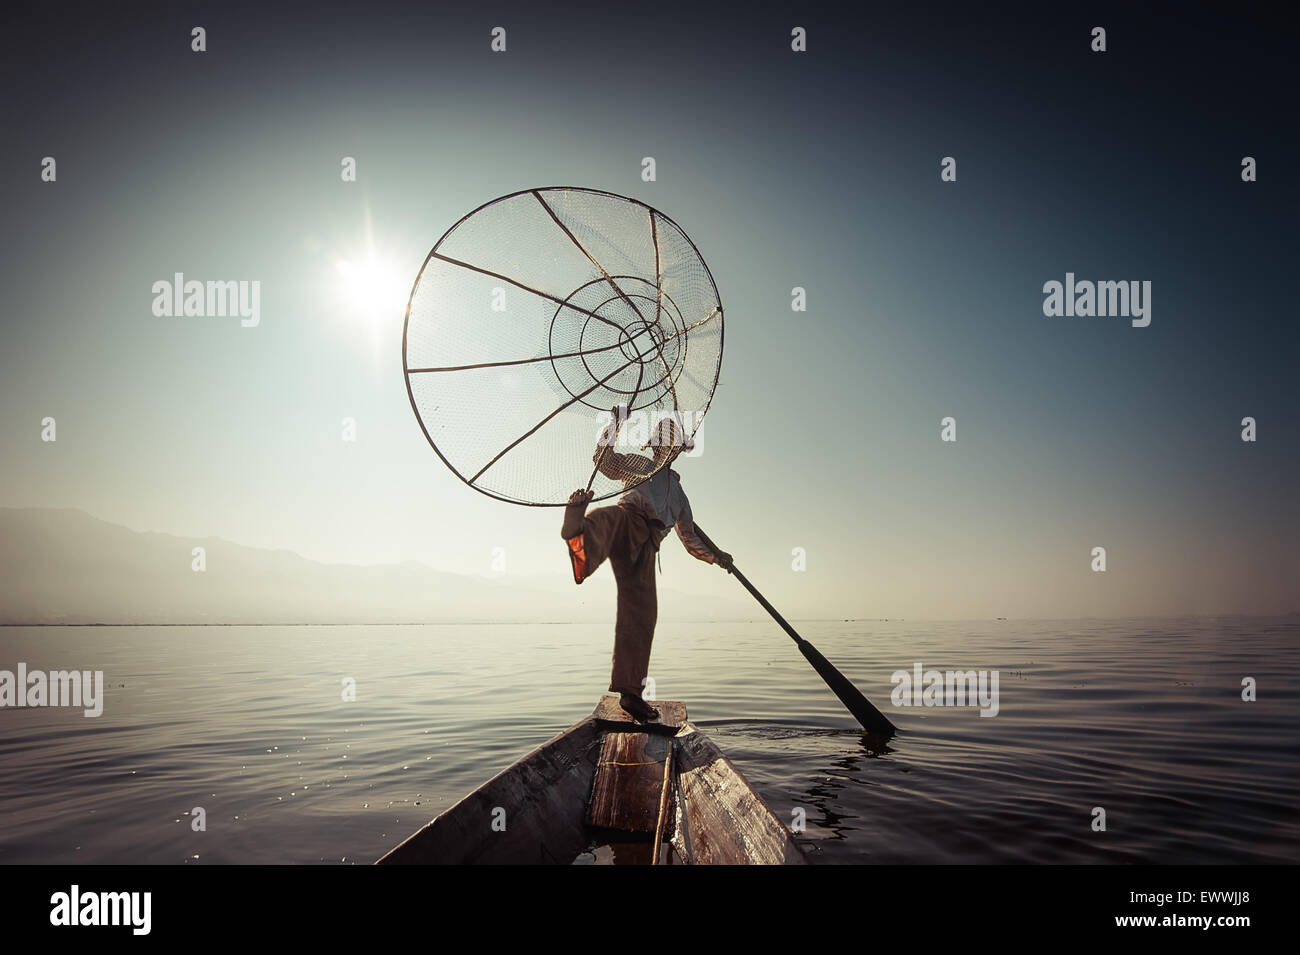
611	789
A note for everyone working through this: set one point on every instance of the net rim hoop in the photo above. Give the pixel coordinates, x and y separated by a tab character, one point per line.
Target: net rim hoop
406	324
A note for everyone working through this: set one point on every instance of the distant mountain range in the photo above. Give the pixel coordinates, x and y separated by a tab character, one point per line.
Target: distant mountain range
63	566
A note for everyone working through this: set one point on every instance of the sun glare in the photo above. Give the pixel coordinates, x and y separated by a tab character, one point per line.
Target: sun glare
373	290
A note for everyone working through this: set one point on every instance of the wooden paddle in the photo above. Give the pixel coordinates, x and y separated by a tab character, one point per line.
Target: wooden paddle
872	720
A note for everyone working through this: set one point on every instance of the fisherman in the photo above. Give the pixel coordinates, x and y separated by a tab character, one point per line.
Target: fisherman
629	534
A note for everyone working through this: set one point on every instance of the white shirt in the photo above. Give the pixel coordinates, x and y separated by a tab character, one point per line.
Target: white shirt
659	498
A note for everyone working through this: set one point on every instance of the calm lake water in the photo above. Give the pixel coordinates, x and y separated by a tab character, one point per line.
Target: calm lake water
1143	718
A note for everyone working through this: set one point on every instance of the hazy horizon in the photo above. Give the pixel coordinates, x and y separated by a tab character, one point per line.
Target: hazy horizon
594	597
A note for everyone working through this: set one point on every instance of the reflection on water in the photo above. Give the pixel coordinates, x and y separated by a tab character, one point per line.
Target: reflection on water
1141	718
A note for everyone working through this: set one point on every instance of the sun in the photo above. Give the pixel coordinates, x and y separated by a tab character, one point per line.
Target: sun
372	289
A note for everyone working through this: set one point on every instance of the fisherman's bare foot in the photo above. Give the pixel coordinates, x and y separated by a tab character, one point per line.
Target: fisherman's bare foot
575	513
637	708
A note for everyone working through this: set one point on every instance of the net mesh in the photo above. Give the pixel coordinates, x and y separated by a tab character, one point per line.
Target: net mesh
538	313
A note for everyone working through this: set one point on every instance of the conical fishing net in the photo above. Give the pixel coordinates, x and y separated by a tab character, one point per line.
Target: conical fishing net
539	312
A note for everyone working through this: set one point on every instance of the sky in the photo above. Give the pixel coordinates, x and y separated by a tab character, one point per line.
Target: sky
818	169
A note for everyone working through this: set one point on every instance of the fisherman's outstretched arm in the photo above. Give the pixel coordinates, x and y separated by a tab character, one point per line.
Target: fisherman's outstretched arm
685	528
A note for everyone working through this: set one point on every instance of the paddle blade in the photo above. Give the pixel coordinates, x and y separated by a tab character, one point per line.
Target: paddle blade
872	720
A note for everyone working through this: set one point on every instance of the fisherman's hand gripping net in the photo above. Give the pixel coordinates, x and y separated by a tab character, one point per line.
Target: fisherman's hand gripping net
539	312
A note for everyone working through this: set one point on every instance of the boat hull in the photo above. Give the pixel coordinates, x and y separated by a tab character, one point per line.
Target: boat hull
536	812
533	813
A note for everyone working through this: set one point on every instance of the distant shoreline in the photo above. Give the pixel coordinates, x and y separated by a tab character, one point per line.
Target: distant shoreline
433	623
758	620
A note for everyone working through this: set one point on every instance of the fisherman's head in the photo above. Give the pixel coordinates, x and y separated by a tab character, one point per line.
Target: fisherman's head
668	439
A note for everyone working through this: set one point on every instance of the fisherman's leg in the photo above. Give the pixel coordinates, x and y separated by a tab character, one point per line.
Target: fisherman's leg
574	513
634	631
600	533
